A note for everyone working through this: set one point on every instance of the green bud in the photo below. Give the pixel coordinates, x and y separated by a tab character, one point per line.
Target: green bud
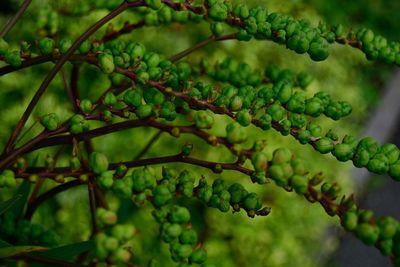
179	215
349	220
387	227
243	117
86	105
161	195
46	46
217	28
259	161
391	152
235	133
64	45
281	155
299	184
152	59
324	145
361	158
105	180
154	4
98	162
369	144
13	58
133	98
379	164
198	256
284	91
50	121
319	49
106	63
188	236
367	233
85	47
251	202
219	12
144	111
203	119
276	111
343	152
304	136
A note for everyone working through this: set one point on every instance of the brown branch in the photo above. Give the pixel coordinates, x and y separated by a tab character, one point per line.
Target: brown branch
127	28
10	24
58	66
52	192
201	44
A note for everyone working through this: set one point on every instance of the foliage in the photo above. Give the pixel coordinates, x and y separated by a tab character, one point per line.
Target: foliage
212	106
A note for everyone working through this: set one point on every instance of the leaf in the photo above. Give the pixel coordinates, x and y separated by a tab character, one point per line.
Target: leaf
4	244
9	251
5	205
23	191
66	252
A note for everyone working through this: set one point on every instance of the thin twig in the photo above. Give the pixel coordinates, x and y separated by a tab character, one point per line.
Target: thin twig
201	44
10	24
58	66
52	192
148	145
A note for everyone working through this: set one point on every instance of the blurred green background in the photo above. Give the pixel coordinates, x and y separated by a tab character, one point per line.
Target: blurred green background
295	233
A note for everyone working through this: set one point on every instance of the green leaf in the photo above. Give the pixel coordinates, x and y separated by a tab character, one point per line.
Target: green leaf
23	191
5	205
66	253
9	251
4	244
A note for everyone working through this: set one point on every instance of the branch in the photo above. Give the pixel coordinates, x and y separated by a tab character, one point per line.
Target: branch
57	67
127	28
52	192
203	43
10	24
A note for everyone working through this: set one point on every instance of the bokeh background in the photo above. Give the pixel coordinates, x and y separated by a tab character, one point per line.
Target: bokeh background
296	233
